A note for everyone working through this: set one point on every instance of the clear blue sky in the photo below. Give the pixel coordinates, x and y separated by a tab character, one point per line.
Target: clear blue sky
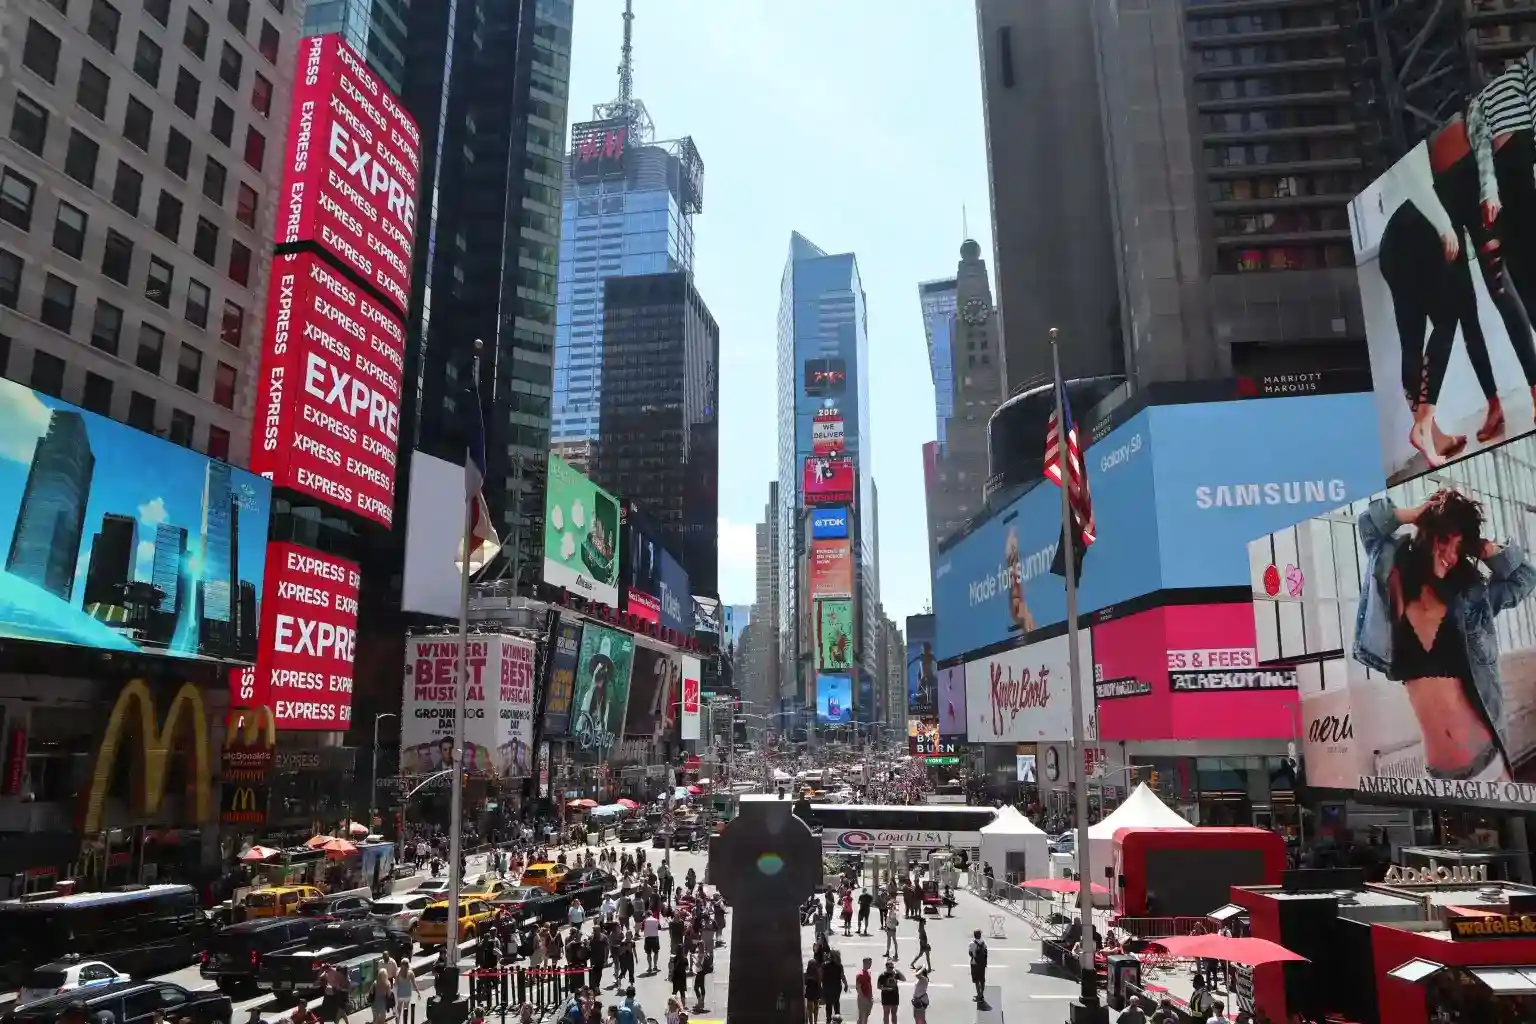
857	123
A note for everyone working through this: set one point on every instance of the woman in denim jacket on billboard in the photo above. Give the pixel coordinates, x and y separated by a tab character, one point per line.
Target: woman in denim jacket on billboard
1426	619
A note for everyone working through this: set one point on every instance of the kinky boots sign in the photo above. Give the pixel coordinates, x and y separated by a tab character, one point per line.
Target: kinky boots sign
250	742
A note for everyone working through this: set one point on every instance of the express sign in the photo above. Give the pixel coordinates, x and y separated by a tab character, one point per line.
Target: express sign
308	637
353	167
329	420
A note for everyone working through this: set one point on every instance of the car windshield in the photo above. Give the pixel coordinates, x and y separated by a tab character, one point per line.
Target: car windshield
261	899
44	978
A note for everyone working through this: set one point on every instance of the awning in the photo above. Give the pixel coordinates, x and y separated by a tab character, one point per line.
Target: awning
1226	913
1416	971
1507	981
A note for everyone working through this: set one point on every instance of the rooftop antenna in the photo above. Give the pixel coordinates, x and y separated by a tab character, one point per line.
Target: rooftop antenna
627	58
965	224
625	107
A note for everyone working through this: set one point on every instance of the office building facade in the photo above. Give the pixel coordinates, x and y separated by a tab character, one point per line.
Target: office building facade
373	28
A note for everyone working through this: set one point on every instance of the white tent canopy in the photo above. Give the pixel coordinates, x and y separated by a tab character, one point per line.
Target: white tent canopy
1142	809
1012	833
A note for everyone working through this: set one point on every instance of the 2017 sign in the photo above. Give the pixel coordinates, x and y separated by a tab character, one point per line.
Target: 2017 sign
308	637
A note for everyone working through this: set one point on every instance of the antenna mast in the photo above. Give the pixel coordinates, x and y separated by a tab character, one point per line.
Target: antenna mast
627	58
625	107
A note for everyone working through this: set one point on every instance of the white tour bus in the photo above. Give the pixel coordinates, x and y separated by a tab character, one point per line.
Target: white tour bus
871	828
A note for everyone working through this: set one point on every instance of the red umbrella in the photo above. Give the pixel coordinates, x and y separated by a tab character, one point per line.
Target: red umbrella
626	802
581	803
694	791
1234	949
1061	885
338	849
256	853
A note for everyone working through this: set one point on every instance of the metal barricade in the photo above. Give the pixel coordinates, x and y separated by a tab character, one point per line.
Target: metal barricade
1161	927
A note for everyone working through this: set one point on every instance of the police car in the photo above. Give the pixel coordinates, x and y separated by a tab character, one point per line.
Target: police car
66	975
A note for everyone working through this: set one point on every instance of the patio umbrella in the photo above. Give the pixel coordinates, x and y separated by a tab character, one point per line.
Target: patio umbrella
1233	949
336	849
583	802
316	842
357	828
1060	885
626	803
256	853
694	791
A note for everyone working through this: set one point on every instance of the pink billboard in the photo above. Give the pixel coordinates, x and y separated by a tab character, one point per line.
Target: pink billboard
1186	672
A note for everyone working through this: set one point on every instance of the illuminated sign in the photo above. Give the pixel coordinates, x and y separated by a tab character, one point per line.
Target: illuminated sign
831	568
597	149
250	740
308	637
241	804
353	166
827	432
825	377
828	481
157	742
329	420
829	524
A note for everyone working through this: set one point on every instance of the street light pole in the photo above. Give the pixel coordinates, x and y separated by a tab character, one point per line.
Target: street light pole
373	772
1301	828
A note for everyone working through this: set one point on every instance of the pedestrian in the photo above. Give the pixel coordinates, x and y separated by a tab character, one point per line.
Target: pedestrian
333	1006
978	955
812	989
890	993
920	996
675	1014
864	991
865	902
891	921
701	974
380	996
651	928
847	912
679	973
924	950
834	982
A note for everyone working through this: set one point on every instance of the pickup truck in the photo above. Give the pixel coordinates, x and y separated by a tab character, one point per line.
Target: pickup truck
298	969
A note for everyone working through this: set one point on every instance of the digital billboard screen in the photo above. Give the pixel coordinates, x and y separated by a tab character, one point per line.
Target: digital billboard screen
834	635
123	541
565	649
829	524
498	705
309	637
600	699
656	585
597	149
831	568
1024	694
825	377
829	481
353	168
922	679
328	421
827	432
952	700
1215	480
581	535
834	698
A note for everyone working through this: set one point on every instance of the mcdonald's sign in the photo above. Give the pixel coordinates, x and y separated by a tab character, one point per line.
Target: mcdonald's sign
240	804
185	721
250	740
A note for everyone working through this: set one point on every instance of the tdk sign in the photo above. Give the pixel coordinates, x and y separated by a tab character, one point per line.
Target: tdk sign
829	524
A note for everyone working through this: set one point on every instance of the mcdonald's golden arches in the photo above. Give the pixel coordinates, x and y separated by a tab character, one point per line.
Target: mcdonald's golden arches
135	708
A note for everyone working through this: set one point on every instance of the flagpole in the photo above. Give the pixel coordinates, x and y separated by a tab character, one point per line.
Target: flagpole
461	689
1090	987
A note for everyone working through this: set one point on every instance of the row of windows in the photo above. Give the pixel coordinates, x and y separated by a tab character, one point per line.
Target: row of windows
1282	221
104	25
1267	21
1274	119
1295	83
1286	186
1251	259
1281	152
18	199
1257	54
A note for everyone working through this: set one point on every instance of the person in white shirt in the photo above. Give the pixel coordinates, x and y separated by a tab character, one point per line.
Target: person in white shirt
610	907
576	915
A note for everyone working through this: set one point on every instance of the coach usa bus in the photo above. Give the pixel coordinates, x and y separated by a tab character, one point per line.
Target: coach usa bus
140	930
866	828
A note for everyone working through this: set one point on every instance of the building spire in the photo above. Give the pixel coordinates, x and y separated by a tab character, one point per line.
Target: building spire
627	55
965	225
624	106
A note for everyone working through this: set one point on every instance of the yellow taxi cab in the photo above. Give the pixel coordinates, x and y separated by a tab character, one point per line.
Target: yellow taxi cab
487	888
432	929
545	875
278	900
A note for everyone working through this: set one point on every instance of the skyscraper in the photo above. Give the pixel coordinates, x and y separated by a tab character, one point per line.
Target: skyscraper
823	424
169	574
45	546
374	28
628	209
221	558
110	569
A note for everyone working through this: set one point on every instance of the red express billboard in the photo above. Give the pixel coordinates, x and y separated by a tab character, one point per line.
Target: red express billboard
353	168
329	422
308	637
828	481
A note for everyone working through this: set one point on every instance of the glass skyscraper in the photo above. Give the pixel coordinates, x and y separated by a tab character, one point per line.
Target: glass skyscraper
940	301
219	524
46	543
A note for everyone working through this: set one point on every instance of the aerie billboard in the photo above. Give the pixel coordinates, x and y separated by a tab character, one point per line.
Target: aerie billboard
308	637
353	168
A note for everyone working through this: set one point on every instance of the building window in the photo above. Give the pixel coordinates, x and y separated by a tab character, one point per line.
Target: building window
239	13
224	377
10	278
178	154
40	52
205	241
231	324
104	23
128	189
138	122
195	36
97	396
17	195
189	368
255	148
80	158
58	309
93	89
157	288
214	177
197	303
269	42
182	425
141	412
223	123
117	257
218	443
29	123
69	230
151	348
160	10
187	90
229	66
147	57
245	205
48	374
239	263
168	216
107	328
261	95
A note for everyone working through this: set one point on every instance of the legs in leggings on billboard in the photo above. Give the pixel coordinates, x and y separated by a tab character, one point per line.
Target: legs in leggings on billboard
1514	153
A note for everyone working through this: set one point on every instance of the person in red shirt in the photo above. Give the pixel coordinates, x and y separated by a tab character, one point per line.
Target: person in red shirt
864	983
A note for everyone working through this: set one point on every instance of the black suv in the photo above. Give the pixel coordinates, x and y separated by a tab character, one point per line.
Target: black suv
234	955
341	908
129	1002
635	830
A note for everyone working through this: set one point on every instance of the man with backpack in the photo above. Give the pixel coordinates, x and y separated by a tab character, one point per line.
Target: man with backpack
978	953
629	1010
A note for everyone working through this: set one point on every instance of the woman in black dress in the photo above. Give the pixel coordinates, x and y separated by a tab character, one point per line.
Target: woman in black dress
812	988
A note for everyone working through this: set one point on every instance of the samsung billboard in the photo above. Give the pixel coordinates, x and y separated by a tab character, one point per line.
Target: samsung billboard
1178	492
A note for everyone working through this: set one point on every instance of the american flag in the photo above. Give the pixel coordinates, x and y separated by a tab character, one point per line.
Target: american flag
482	542
1078	498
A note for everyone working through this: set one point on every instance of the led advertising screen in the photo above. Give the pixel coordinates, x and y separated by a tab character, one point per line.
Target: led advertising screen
309	637
834	698
831	563
123	541
655	584
825	378
829	524
829	481
353	167
1447	287
922	679
834	635
952	700
328	422
1374	719
688	725
827	432
1215	480
564	652
581	535
655	687
597	149
1023	694
923	739
498	705
600	699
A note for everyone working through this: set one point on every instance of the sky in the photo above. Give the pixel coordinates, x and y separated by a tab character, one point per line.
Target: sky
856	123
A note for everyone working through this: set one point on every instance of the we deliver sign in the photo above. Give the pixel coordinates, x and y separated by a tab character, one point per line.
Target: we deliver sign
308	637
